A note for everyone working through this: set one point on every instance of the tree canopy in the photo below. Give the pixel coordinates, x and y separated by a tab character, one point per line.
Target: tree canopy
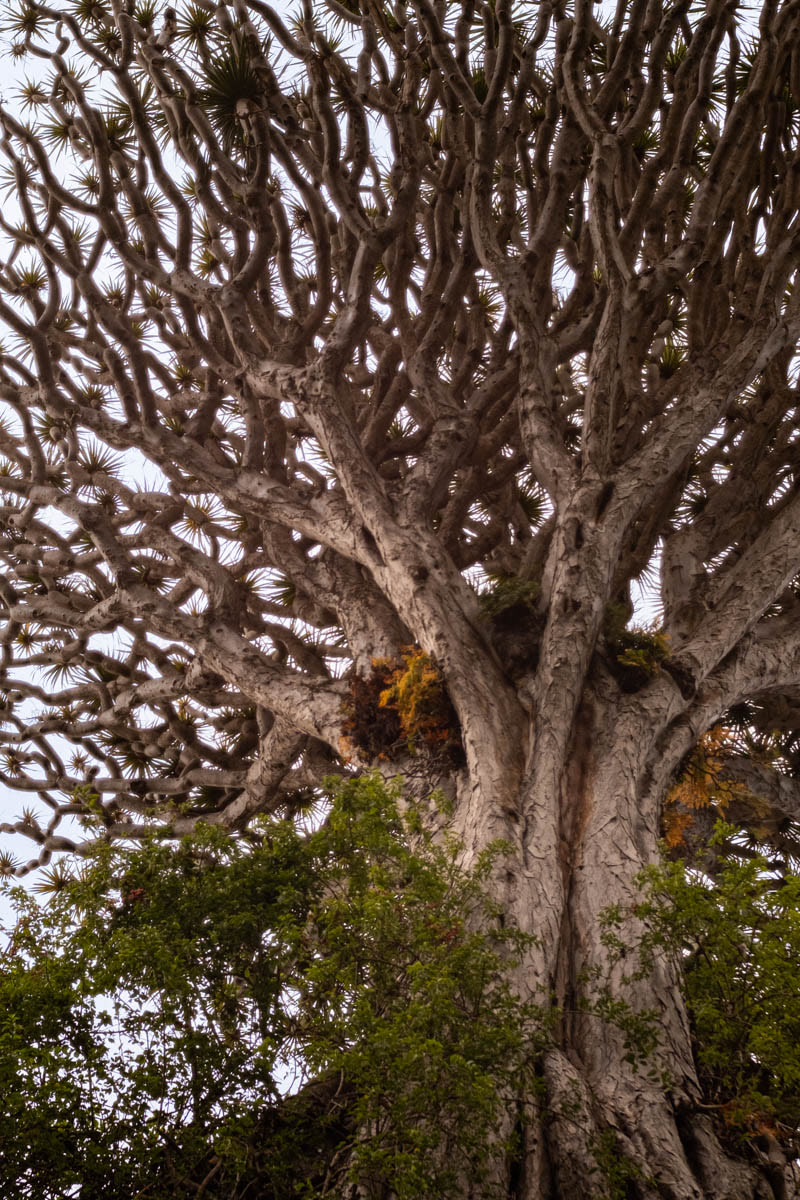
377	297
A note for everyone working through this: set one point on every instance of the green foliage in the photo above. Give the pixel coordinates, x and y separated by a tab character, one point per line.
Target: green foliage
616	1169
638	652
738	945
644	651
230	79
508	592
155	1015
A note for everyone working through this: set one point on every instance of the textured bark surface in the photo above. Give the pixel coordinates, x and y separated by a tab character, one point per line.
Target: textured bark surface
653	1112
429	329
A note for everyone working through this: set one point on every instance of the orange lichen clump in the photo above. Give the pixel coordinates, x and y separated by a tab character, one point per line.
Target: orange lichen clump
371	730
417	694
402	705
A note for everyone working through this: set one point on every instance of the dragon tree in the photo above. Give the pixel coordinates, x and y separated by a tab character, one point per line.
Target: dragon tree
362	367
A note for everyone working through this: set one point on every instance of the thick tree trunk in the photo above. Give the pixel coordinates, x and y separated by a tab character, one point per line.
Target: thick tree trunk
603	1127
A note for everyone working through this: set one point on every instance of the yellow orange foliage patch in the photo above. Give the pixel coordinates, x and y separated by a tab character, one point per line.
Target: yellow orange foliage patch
416	692
702	784
401	706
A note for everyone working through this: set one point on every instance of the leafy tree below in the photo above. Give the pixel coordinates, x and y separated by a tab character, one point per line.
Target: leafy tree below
296	1012
299	1012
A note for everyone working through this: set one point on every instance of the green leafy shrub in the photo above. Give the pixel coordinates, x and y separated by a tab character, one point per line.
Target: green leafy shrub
287	1016
737	943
